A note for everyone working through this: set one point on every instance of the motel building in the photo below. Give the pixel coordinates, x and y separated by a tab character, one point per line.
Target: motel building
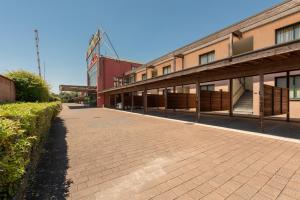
101	72
250	69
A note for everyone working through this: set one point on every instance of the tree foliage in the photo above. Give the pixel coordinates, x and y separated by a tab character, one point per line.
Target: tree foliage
68	97
29	86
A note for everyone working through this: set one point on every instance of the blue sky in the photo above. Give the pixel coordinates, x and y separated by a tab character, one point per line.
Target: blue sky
140	30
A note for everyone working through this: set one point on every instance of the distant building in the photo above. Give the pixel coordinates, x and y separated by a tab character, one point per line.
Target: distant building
102	71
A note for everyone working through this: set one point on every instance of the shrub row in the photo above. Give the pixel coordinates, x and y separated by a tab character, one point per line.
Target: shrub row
22	128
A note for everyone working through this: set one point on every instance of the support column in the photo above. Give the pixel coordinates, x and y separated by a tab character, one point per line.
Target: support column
132	101
115	106
230	97
174	91
288	96
230	45
166	98
198	105
109	101
145	101
122	101
261	100
174	64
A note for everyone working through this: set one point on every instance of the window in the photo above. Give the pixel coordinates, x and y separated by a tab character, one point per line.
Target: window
133	67
167	70
207	58
144	77
288	33
154	73
132	79
207	87
294	85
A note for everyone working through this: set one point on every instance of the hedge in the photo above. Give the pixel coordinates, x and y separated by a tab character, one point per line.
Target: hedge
23	126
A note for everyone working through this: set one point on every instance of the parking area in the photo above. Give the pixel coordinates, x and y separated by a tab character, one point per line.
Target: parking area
118	155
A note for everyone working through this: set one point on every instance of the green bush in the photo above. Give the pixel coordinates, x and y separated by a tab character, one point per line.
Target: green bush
68	97
22	127
54	97
29	86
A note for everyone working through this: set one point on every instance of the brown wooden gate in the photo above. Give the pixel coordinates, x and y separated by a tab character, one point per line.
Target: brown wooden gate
181	100
155	100
275	100
214	100
138	101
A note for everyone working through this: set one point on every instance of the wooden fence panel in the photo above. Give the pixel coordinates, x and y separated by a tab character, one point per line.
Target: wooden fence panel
138	101
205	101
112	101
284	103
155	100
214	100
268	100
191	100
277	105
127	100
275	100
225	100
181	100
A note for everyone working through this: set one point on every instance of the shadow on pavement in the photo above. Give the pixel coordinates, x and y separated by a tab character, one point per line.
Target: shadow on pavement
50	181
80	107
271	127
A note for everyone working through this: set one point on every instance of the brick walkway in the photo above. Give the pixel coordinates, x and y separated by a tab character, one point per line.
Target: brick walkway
117	155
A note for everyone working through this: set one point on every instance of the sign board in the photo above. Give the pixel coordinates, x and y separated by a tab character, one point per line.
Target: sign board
93	43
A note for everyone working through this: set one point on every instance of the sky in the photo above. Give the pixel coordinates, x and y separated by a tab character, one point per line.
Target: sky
139	30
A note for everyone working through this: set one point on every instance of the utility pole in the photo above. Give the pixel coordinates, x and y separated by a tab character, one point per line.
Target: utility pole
37	50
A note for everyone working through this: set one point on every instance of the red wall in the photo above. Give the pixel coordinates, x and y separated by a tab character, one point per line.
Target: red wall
108	69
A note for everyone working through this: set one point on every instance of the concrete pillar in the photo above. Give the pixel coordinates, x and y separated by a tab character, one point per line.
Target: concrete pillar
174	64
122	101
145	101
115	101
132	101
166	98
288	96
174	91
231	45
109	102
230	97
261	101
198	105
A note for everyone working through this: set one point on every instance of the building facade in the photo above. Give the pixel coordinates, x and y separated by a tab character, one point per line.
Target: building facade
107	69
7	89
243	60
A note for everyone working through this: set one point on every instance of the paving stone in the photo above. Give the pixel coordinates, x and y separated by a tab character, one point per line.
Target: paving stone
116	155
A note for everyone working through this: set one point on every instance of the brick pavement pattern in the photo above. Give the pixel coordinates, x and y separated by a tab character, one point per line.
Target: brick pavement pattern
118	155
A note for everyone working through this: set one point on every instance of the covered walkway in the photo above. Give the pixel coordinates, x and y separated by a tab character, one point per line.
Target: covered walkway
282	58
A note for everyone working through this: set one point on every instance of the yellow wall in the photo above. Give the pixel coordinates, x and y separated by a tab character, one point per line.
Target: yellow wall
139	74
264	36
221	51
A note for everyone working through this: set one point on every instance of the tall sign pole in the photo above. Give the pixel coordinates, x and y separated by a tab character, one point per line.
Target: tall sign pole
37	50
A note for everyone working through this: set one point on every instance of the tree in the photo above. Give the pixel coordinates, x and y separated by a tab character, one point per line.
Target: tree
68	97
29	86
